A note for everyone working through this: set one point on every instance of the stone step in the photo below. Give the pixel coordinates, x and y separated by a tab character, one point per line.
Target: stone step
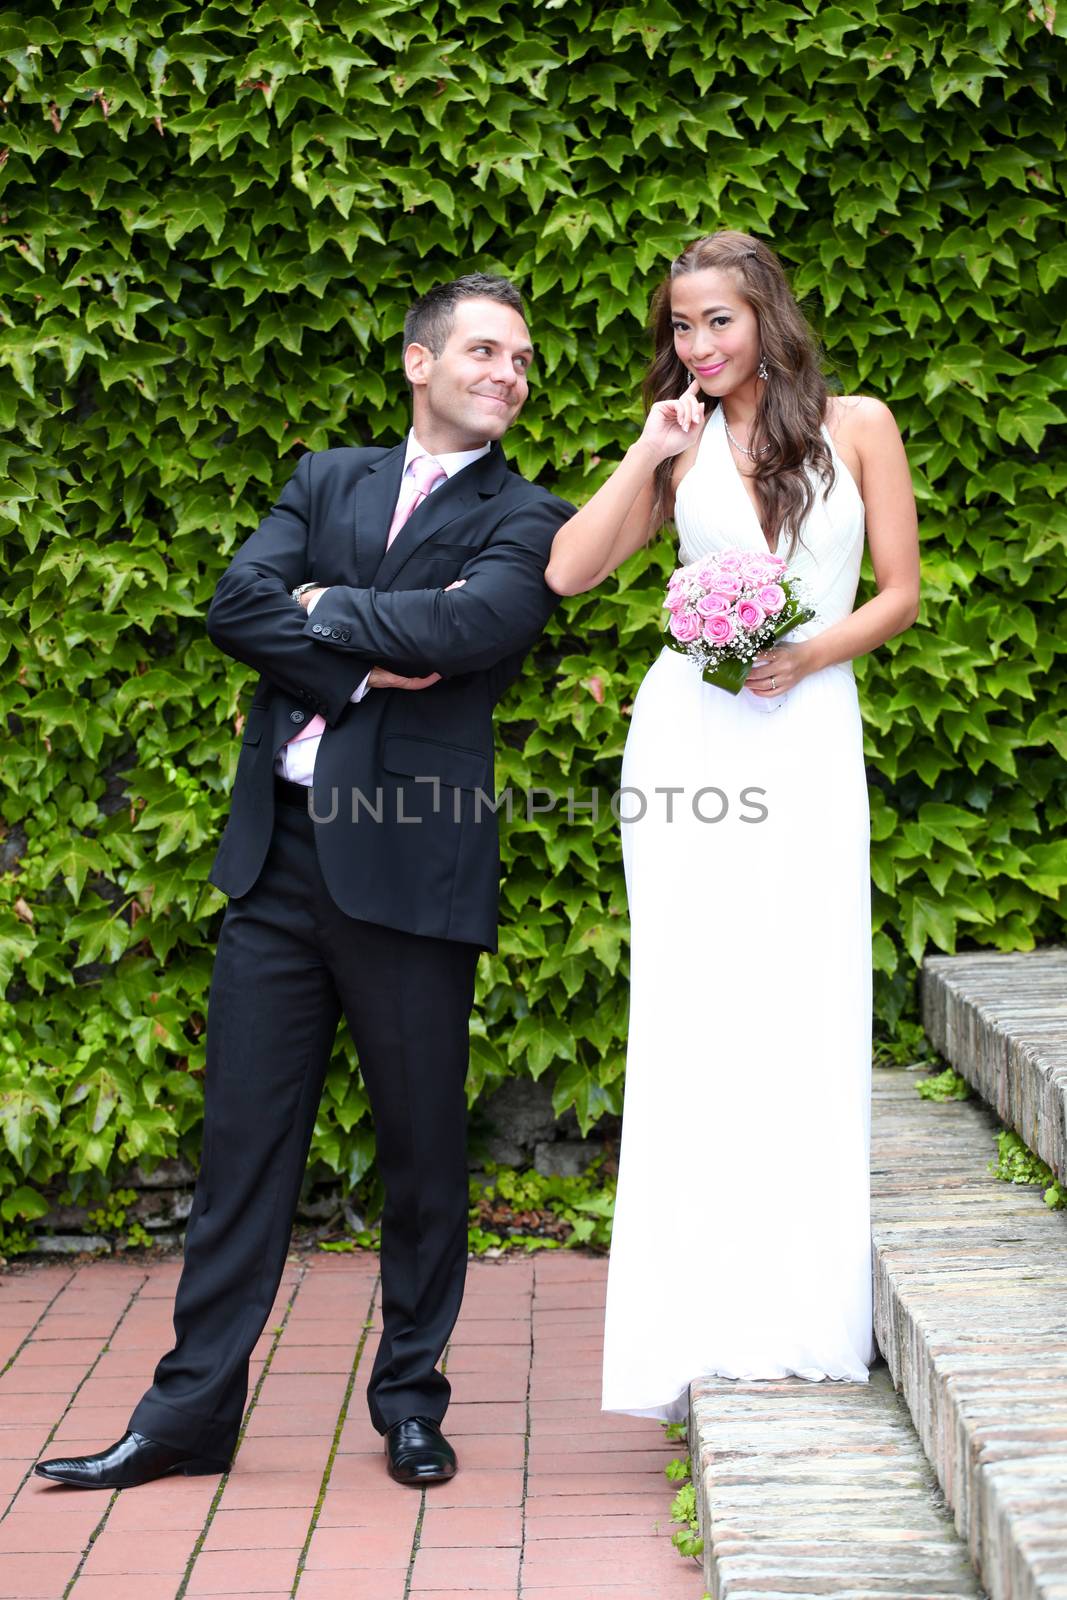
809	1489
1001	1020
971	1316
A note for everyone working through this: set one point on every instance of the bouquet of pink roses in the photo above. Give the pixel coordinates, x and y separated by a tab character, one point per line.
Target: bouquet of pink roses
729	607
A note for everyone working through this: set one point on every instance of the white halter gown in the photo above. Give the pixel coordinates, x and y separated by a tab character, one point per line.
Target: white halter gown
741	1241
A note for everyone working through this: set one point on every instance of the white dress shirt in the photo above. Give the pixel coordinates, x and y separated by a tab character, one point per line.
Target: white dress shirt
297	761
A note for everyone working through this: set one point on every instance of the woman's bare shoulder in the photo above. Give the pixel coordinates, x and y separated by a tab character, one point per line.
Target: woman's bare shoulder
859	417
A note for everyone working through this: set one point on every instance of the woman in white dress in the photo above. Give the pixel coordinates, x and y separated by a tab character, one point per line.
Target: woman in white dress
741	1243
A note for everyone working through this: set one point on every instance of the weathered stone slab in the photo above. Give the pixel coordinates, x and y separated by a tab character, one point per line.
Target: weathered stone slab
811	1489
971	1315
1001	1020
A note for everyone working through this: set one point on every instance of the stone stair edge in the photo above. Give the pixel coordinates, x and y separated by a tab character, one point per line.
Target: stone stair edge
996	1467
1005	1041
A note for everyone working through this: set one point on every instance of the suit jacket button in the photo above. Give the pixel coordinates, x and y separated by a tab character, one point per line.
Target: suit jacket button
296	716
345	634
316	627
335	633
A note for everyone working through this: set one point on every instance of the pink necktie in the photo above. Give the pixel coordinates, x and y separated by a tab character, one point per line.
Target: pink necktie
423	474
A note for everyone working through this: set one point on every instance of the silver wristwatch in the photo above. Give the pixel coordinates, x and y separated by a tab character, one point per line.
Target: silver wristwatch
301	588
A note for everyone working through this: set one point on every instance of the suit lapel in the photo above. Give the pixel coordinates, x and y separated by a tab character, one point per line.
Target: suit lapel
458	494
375	501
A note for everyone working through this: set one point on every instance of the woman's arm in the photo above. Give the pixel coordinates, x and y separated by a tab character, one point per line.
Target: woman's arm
893	540
618	519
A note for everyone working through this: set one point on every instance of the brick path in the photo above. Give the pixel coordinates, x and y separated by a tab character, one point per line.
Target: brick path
553	1501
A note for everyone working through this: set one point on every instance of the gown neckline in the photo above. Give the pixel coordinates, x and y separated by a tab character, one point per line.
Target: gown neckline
740	482
717	420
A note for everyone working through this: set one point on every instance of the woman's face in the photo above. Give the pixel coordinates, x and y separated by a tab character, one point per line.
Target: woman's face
716	334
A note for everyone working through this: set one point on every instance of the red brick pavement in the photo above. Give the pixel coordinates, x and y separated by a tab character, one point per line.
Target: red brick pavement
553	1500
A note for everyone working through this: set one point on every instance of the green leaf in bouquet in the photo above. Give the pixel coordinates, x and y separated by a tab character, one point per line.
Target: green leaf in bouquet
729	675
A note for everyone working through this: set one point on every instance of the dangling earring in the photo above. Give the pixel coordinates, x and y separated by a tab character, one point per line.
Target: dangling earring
763	371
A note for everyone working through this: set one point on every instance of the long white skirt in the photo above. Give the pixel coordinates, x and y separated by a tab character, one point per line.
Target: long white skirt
741	1242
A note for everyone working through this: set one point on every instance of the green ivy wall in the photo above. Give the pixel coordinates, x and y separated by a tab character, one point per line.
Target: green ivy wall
213	218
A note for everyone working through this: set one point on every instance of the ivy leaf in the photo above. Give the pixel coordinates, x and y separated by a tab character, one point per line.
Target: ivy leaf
1029	420
100	1094
577	1088
1049	867
541	1039
74	857
103	933
24	1104
928	920
16	943
23	1204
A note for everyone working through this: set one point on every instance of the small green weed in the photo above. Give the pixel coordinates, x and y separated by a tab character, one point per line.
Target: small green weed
686	1539
1016	1163
947	1085
525	1210
906	1046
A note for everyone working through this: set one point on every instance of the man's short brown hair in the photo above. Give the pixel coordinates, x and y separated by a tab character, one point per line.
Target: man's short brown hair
431	318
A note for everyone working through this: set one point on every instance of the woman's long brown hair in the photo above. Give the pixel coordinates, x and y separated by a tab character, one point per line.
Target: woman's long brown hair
787	431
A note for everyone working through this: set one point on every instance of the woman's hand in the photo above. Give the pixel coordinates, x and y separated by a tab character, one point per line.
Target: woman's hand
673	425
781	668
382	678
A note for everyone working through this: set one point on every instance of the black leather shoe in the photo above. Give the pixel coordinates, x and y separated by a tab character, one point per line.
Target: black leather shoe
417	1452
134	1460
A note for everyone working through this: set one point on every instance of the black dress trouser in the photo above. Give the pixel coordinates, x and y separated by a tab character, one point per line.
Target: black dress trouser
289	962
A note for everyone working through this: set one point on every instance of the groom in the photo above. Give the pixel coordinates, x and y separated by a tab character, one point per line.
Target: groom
362	866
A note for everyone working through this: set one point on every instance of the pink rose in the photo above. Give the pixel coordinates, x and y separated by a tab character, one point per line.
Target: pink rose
729	560
676	601
729	584
761	569
772	598
719	630
774	566
685	625
750	615
723	602
711	605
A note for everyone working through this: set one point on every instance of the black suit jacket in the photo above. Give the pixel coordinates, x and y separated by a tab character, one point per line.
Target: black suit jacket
410	841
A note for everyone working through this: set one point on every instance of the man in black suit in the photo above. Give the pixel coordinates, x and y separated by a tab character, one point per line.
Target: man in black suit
387	600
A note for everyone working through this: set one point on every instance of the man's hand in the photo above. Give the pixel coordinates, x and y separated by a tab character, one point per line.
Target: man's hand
308	596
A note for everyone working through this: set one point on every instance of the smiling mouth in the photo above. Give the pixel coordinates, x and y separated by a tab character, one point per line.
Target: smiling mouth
709	372
495	398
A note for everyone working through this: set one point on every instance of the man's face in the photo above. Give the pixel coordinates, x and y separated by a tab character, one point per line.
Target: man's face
476	387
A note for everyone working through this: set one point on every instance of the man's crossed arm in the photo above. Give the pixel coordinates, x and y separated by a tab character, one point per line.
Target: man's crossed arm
501	608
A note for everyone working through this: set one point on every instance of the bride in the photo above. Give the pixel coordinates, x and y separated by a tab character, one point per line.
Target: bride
741	1242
